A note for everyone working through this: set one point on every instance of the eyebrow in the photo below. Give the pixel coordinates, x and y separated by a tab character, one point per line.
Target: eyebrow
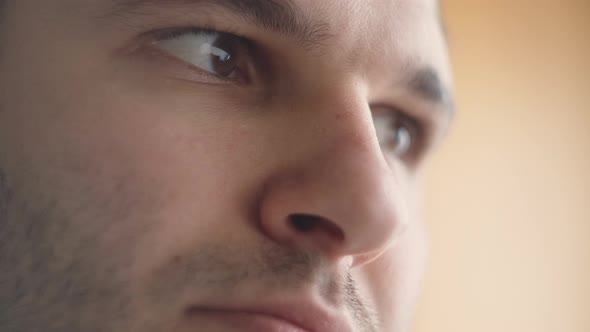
285	18
425	82
280	16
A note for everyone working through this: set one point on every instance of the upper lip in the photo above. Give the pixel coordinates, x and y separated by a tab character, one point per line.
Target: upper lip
306	315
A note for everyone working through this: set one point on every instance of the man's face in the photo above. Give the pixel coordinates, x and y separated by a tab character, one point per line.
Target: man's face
229	165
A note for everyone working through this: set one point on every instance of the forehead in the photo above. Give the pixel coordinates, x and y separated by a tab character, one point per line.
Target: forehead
365	34
378	34
395	43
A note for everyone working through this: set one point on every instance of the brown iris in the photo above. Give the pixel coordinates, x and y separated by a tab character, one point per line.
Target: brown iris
224	52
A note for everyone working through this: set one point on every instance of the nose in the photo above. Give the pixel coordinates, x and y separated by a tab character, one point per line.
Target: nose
337	194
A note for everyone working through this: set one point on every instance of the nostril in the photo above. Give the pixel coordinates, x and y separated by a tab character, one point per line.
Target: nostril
305	223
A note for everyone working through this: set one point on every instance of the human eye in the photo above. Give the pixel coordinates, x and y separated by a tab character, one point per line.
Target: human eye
398	134
220	55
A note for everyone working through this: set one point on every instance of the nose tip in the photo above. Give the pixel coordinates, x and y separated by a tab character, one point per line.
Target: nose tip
345	203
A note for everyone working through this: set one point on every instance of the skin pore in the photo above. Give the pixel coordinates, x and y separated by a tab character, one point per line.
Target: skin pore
163	163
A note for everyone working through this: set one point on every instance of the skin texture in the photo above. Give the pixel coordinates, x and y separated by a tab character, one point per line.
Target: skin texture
136	192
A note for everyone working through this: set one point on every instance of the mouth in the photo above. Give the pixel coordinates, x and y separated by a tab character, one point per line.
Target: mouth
304	317
247	321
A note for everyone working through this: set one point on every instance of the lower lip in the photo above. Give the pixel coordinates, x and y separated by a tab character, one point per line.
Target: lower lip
243	321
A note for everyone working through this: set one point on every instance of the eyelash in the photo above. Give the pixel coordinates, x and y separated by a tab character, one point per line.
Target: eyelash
179	32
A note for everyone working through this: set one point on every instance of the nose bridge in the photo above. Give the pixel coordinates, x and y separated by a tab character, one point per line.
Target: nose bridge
339	117
345	152
351	177
339	176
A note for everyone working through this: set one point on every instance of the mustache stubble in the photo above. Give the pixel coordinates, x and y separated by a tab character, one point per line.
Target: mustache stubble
223	270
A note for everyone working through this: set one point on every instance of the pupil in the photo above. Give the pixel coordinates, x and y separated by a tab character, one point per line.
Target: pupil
224	57
223	60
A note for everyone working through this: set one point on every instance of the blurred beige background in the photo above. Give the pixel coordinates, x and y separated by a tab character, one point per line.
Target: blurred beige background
508	196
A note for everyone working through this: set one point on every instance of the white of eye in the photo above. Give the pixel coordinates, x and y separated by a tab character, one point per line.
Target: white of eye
197	49
392	134
403	141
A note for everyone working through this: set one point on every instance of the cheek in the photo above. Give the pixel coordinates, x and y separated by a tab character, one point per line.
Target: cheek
393	280
187	167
